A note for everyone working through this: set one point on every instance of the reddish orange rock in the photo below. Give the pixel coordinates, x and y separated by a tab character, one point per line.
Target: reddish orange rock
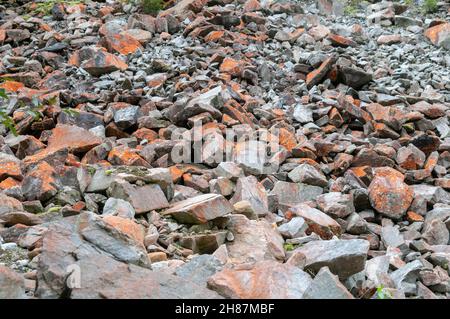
388	193
40	183
230	66
121	43
145	134
10	169
123	155
127	226
9	183
439	35
97	61
414	217
340	41
74	138
11	86
214	36
2	35
287	139
314	77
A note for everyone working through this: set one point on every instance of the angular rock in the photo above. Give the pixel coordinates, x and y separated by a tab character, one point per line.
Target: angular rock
199	209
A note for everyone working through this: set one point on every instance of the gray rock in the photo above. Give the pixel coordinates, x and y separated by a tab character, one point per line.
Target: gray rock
336	204
327	286
118	207
308	174
405	277
199	269
343	257
296	227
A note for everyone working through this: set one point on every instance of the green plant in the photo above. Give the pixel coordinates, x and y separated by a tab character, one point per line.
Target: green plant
430	6
382	294
5	119
289	247
152	6
45	7
351	8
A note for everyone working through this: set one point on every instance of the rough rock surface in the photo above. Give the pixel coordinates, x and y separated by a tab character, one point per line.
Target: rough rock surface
224	149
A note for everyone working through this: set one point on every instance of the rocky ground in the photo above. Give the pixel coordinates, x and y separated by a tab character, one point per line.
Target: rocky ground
224	149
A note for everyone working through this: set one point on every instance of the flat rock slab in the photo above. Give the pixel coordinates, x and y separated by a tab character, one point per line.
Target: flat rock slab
200	209
343	257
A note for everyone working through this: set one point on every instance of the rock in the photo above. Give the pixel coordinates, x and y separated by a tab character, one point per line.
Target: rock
199	269
343	257
314	77
308	174
291	194
296	227
405	277
13	218
317	222
439	35
9	204
204	243
325	285
74	138
13	285
253	240
435	233
199	209
388	194
250	190
266	280
143	198
336	204
97	62
118	207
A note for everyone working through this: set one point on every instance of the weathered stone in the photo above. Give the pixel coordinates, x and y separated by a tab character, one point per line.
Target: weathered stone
143	198
254	240
318	222
308	174
266	280
249	189
200	209
388	194
336	204
325	285
343	257
13	285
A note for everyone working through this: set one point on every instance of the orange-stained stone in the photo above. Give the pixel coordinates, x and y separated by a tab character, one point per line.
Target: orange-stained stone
2	35
9	183
123	155
230	66
10	169
414	217
121	43
439	34
126	226
214	35
388	194
314	77
43	183
96	61
340	41
75	138
287	139
145	134
12	86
